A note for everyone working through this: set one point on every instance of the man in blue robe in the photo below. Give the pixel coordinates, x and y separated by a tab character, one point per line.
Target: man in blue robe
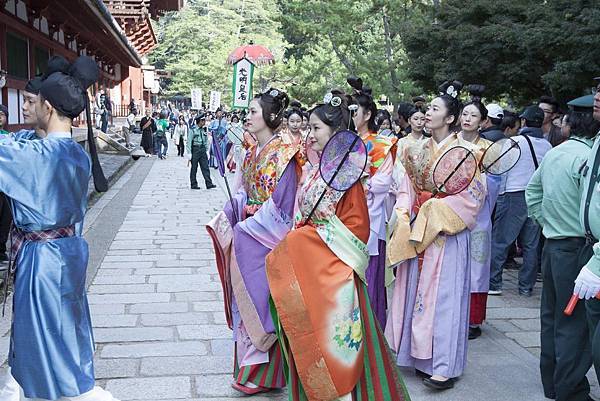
46	180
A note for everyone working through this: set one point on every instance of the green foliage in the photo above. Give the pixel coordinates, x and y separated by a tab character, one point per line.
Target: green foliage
316	45
194	43
364	36
519	49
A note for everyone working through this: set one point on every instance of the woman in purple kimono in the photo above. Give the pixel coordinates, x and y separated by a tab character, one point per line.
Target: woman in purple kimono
382	153
252	224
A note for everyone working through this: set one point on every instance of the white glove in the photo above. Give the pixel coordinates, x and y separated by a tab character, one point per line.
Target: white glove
587	284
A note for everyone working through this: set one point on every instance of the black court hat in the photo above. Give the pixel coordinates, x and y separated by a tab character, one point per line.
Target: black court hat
34	85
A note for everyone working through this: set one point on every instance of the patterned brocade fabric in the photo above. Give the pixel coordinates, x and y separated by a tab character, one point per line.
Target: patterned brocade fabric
420	158
378	148
310	194
262	172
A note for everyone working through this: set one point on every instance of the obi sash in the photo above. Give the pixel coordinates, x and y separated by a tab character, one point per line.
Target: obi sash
18	239
345	245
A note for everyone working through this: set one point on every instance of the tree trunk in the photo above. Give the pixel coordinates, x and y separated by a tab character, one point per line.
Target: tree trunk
345	62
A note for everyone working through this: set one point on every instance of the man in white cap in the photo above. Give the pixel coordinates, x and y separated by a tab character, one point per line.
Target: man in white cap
490	128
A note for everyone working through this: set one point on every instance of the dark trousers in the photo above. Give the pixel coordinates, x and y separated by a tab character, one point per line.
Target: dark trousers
161	145
199	157
104	120
5	221
592	307
180	148
566	352
511	223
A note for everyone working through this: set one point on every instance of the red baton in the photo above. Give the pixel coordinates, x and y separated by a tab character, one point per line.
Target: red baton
573	303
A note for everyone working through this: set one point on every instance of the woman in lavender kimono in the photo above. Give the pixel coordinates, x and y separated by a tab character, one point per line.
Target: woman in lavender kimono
473	114
429	316
245	232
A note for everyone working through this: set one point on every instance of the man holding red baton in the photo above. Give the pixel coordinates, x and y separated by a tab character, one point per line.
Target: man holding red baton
553	201
587	284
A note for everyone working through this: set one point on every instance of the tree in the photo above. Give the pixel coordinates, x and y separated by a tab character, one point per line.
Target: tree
194	43
519	49
364	36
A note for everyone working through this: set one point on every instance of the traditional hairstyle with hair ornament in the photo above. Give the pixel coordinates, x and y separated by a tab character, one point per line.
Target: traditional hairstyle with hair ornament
273	102
450	95
476	92
363	96
295	108
334	110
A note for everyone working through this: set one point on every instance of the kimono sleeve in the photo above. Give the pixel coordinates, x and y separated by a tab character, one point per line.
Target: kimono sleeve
22	168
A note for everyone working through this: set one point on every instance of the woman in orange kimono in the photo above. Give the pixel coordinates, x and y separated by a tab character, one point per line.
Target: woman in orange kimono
251	225
334	345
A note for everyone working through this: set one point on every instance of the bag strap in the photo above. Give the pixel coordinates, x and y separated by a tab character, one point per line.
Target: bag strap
533	155
588	196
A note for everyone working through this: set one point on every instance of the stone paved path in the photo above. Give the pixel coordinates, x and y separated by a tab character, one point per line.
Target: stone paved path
156	300
158	314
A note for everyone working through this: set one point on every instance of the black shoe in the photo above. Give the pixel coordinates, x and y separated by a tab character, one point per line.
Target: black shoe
437	384
474	332
211	186
538	277
195	187
511	265
421	374
526	293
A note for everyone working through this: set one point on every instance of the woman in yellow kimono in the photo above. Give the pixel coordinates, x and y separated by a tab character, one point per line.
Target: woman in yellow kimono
416	120
429	316
334	345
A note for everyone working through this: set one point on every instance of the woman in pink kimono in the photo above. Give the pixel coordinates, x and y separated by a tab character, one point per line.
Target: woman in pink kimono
428	320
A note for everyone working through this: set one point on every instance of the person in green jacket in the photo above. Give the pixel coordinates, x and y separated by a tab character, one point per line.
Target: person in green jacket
587	283
197	143
161	144
553	201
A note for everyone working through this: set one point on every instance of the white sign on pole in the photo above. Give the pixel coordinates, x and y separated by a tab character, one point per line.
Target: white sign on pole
196	99
242	83
215	101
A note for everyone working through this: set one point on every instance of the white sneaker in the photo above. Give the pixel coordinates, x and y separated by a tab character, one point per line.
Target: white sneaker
96	394
9	388
495	292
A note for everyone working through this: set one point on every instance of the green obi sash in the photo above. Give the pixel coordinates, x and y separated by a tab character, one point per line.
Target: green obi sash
345	245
